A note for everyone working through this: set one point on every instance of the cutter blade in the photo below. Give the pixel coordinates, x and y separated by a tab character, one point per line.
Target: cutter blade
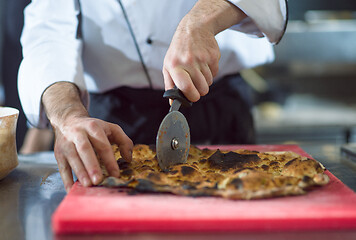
173	140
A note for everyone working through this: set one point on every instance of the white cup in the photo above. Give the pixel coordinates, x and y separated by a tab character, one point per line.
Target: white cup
8	151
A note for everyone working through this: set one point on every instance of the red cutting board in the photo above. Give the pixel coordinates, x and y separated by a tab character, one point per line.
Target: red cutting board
104	210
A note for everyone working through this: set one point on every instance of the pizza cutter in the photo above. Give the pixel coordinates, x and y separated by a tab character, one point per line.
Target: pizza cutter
173	137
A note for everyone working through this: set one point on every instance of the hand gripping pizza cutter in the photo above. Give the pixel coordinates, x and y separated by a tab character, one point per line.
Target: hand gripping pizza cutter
173	137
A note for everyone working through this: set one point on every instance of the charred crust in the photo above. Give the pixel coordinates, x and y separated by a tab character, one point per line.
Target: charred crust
122	163
145	185
127	172
202	161
237	183
154	176
185	170
207	151
265	167
173	172
231	160
318	167
306	178
290	162
188	187
145	167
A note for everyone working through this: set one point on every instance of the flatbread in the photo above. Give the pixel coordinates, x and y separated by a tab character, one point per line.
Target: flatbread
239	174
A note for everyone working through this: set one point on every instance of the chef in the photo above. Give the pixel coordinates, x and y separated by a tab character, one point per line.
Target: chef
95	72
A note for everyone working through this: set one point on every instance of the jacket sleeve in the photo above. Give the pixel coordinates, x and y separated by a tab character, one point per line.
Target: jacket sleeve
264	18
51	53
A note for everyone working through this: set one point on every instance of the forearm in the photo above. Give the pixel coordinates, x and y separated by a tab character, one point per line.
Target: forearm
61	102
214	15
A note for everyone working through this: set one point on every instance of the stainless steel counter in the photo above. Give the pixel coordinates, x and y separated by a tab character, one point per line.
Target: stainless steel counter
30	194
28	197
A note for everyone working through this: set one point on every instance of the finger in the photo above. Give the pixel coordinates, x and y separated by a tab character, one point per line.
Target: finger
168	81
205	70
77	166
213	62
199	81
184	82
103	148
125	144
65	171
87	155
214	68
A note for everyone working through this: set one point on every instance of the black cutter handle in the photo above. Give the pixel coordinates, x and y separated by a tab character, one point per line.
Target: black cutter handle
175	93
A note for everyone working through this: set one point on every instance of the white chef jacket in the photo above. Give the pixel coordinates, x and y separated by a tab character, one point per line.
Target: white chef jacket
105	57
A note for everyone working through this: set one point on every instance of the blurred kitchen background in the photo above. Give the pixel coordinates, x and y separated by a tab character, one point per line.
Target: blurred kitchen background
11	22
307	95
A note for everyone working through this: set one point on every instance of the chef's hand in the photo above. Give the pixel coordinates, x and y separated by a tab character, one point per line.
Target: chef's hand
79	138
192	59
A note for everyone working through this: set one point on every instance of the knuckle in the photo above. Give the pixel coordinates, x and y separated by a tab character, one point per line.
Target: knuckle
93	125
194	96
83	146
104	149
74	129
81	175
171	63
58	153
62	167
214	56
111	165
130	142
67	184
117	127
215	69
187	88
204	58
188	59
